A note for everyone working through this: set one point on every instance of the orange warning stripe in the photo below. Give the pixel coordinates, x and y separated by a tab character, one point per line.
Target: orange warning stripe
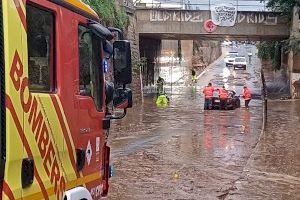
10	107
68	138
7	191
69	185
45	193
21	12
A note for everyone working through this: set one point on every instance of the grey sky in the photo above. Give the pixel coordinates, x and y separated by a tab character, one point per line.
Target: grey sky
251	5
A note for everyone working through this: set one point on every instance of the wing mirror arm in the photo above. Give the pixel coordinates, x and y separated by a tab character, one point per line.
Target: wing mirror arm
120	33
118	116
121	98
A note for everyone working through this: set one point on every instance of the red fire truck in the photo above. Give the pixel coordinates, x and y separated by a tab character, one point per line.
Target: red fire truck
54	118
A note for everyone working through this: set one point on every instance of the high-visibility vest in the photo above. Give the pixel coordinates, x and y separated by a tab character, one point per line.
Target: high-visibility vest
162	100
247	94
208	91
223	94
194	78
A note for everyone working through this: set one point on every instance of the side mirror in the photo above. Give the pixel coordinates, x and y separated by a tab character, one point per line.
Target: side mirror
123	98
122	62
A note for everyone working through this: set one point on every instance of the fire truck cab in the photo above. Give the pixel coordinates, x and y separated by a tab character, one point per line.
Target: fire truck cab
54	118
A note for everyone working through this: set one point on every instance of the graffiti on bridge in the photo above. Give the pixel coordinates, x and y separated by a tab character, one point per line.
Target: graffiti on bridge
176	16
257	18
201	16
224	15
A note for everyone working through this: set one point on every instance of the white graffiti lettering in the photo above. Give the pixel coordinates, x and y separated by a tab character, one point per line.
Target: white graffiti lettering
176	16
257	18
200	16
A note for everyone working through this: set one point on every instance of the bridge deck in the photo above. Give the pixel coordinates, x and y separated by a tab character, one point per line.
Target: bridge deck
188	24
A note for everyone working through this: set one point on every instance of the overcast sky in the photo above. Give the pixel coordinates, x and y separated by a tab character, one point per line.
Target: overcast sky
203	4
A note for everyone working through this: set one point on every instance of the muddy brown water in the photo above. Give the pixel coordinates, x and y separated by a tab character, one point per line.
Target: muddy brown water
183	152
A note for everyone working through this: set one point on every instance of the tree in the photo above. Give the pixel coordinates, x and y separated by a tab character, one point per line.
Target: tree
270	50
109	14
284	6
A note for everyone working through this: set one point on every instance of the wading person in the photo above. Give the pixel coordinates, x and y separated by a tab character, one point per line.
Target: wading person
223	93
160	86
194	77
247	96
208	94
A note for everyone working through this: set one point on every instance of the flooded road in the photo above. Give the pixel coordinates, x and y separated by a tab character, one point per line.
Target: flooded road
183	152
273	170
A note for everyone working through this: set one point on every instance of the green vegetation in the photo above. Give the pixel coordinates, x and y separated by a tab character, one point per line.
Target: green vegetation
284	6
109	13
292	44
179	51
136	62
270	50
266	50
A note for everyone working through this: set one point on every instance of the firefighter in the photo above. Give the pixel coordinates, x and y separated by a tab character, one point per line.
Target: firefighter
223	93
208	94
194	77
162	100
160	86
247	96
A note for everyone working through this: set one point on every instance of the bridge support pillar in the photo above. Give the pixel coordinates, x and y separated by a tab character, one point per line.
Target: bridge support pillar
294	57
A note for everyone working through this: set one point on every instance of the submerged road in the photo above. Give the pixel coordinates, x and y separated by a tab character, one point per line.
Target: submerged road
181	151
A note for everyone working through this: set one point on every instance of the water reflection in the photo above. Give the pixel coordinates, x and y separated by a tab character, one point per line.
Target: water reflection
223	122
246	121
226	72
207	136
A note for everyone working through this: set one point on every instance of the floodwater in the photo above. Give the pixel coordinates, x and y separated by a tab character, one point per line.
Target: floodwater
273	170
183	152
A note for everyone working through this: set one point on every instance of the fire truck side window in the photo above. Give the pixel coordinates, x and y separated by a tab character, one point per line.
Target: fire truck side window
40	37
90	66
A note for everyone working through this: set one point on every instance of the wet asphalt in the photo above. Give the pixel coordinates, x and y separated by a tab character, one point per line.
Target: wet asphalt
184	152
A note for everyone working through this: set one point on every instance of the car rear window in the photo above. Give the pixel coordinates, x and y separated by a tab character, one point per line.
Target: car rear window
240	59
230	56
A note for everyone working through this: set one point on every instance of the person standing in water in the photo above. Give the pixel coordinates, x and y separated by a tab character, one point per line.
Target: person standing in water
247	96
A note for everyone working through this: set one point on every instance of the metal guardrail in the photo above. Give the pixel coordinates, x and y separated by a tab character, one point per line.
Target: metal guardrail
247	5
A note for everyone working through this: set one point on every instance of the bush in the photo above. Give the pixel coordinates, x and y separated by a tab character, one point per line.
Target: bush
270	50
109	14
